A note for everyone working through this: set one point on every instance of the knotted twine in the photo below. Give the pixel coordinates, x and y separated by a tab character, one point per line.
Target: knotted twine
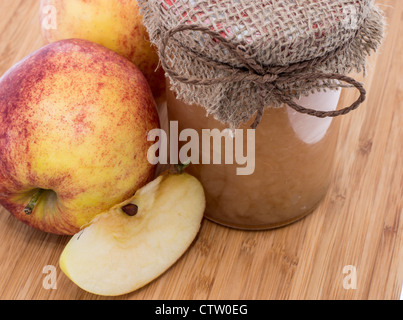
254	73
205	66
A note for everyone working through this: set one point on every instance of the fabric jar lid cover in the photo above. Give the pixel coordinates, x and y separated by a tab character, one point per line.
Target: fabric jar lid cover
237	57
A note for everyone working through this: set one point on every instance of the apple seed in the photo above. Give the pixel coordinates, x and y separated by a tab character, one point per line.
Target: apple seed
130	209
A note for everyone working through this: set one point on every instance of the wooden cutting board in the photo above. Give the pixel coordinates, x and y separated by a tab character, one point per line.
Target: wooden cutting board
356	232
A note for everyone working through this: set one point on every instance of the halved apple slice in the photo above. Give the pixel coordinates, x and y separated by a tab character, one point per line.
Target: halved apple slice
135	242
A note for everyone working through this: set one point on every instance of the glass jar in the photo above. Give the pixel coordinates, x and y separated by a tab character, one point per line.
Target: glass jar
231	58
293	160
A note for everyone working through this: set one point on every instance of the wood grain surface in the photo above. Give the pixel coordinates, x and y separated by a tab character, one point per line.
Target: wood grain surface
359	223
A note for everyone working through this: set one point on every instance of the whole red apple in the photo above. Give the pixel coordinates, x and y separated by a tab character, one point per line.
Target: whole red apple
74	119
115	24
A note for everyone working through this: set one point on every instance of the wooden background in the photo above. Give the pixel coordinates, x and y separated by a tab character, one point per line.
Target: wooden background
358	224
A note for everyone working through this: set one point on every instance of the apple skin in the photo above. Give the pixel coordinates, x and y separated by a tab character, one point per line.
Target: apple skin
118	253
117	25
74	119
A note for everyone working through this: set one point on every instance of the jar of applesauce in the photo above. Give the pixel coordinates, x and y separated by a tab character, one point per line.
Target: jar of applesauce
274	67
293	163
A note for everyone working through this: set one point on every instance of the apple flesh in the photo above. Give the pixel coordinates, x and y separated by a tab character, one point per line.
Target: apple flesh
74	119
135	242
117	25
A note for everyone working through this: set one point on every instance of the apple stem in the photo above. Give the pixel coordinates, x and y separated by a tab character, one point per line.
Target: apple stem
29	209
181	167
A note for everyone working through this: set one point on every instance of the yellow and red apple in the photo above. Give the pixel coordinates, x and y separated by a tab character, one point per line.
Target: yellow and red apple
74	119
115	24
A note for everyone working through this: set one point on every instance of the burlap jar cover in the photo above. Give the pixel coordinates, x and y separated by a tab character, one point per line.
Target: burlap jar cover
237	57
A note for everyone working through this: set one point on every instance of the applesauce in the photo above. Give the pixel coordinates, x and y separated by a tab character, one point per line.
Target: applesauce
294	155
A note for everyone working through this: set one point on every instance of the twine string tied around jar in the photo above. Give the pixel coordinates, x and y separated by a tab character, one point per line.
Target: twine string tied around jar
252	71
